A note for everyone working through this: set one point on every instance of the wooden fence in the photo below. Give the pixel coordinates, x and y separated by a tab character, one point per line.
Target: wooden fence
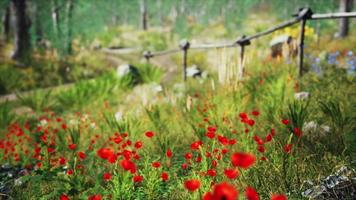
301	17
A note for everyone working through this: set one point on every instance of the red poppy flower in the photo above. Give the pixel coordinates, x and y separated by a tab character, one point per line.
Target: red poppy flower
156	164
273	132
222	191
137	179
243	160
243	115
69	171
164	176
95	197
251	122
64	126
62	161
297	132
196	145
288	148
251	194
149	134
127	164
50	149
231	173
255	113
81	155
210	134
192	184
212	129
258	140
138	144
188	156
72	146
105	153
223	140
232	141
278	197
261	149
64	197
268	137
169	153
211	172
285	121
184	166
107	176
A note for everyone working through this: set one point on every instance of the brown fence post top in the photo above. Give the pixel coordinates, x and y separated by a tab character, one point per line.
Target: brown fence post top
184	44
243	41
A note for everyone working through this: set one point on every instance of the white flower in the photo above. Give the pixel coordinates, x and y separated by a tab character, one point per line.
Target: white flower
118	116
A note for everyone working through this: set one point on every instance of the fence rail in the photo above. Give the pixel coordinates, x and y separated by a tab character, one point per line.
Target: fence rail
301	17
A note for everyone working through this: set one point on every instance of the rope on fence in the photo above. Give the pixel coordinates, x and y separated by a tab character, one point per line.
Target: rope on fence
302	16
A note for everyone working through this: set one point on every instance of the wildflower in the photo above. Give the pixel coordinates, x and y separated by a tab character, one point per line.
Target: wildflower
278	197
137	179
164	176
72	146
288	148
251	194
107	176
285	121
81	155
62	161
95	197
211	172
169	153
138	144
243	160
243	115
297	132
64	126
156	164
268	137
105	153
231	173
184	166
64	197
196	145
261	149
192	184
210	134
255	113
69	171
127	165
149	134
188	156
222	191
50	149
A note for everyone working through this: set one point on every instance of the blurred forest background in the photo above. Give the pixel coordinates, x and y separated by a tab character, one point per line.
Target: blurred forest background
48	41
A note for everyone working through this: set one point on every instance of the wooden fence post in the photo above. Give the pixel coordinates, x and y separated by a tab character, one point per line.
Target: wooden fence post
301	47
184	46
147	55
304	14
242	42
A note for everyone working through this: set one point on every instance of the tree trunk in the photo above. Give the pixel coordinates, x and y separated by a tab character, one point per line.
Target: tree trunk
21	30
6	24
69	27
144	14
38	24
345	6
55	18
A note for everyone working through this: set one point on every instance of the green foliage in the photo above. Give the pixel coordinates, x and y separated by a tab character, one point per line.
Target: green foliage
298	114
6	116
37	100
149	73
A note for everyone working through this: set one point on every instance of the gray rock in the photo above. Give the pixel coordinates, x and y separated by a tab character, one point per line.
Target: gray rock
302	95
